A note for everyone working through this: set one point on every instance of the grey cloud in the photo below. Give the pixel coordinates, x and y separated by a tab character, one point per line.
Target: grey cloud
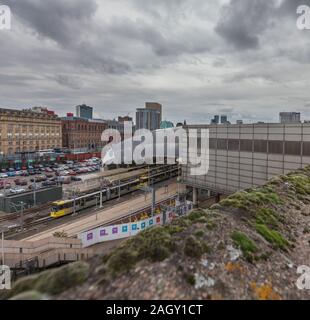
69	23
61	21
162	45
289	7
190	55
67	81
242	22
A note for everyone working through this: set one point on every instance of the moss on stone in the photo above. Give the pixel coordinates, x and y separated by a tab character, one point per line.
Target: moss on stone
246	245
252	198
300	181
194	248
174	229
268	217
196	215
190	279
30	295
272	236
53	281
155	244
199	233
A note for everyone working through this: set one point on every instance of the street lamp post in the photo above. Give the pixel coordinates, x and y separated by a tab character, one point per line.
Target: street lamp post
22	214
151	190
74	205
15	207
119	190
2	246
179	162
34	192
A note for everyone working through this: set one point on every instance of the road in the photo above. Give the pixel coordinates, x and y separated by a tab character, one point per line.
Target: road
101	217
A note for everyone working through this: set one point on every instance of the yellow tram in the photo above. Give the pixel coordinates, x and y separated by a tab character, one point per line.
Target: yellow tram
130	184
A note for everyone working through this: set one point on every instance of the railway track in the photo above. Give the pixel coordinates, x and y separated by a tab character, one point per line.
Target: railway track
17	215
33	218
14	216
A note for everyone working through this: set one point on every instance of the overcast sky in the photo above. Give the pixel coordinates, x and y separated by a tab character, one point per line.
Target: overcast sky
243	58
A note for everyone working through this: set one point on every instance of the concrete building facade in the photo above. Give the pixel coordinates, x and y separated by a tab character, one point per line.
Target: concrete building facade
290	117
243	156
155	106
84	111
147	119
25	131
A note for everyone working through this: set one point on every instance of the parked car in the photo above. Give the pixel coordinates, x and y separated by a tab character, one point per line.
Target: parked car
5	185
8	185
34	186
17	190
25	173
12	174
39	178
3	175
23	182
48	183
65	180
76	178
20	182
31	172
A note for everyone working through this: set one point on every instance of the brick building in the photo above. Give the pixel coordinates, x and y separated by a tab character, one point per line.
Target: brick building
81	134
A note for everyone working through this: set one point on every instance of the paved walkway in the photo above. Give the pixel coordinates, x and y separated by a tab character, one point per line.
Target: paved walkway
105	216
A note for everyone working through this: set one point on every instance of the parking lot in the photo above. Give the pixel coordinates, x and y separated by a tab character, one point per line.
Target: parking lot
43	176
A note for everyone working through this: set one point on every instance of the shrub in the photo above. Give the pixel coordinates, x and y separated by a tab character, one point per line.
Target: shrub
194	248
190	279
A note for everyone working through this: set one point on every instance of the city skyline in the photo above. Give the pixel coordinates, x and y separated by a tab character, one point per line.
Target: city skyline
128	52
